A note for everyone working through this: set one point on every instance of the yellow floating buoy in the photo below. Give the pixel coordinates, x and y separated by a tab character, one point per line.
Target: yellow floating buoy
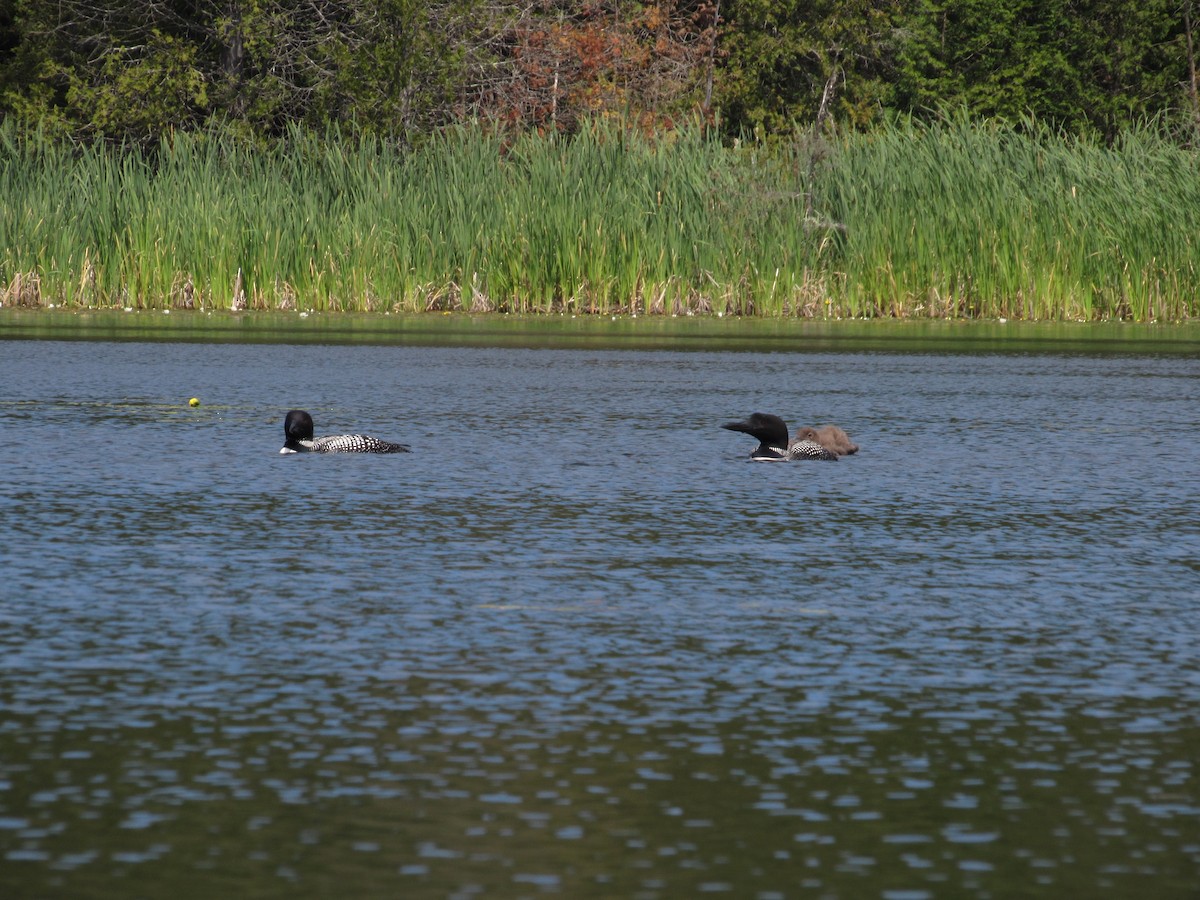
195	401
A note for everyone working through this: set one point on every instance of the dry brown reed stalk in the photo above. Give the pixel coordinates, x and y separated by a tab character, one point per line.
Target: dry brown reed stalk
24	290
182	294
285	295
480	301
657	300
445	298
238	301
808	298
87	281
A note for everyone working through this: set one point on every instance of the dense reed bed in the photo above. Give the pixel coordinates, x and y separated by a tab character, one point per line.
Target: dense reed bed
956	219
965	219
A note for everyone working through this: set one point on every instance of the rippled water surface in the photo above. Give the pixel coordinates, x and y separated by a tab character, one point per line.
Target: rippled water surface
576	644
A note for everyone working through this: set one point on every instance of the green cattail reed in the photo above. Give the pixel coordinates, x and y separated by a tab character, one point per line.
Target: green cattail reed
955	219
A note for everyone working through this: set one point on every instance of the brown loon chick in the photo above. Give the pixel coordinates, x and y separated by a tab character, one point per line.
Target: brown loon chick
773	441
830	437
298	438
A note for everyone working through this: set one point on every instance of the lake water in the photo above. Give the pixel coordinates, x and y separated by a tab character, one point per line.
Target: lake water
576	644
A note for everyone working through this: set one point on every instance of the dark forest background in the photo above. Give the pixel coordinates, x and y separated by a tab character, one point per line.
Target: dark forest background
130	70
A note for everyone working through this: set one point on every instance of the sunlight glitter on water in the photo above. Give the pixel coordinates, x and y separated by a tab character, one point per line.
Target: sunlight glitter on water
576	644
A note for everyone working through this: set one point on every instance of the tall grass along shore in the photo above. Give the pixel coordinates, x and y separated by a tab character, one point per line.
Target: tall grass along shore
957	219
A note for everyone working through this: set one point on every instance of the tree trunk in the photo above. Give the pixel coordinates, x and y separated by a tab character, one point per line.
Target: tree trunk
1193	93
822	115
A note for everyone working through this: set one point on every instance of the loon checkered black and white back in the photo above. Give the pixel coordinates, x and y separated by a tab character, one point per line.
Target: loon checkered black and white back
298	438
828	444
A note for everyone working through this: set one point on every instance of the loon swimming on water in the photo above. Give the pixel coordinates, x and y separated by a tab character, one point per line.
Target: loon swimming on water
298	438
773	442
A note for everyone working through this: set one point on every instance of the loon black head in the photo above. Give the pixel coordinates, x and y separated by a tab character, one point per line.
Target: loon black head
770	430
297	427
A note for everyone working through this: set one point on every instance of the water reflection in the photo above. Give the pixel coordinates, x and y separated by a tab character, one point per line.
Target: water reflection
674	333
574	644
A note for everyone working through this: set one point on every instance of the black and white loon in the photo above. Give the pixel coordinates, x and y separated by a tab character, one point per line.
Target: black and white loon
298	438
773	441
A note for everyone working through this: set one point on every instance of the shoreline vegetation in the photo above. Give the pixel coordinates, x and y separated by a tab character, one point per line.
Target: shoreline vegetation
607	332
952	220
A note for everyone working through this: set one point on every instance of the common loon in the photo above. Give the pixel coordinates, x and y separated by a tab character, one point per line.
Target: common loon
298	438
773	442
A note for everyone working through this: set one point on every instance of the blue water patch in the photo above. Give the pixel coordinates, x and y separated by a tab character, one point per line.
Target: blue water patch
576	643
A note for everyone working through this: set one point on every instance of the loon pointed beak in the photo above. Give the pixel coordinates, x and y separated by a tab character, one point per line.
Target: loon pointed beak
737	426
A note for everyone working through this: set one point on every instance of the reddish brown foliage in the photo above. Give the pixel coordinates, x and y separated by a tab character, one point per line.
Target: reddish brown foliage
644	62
